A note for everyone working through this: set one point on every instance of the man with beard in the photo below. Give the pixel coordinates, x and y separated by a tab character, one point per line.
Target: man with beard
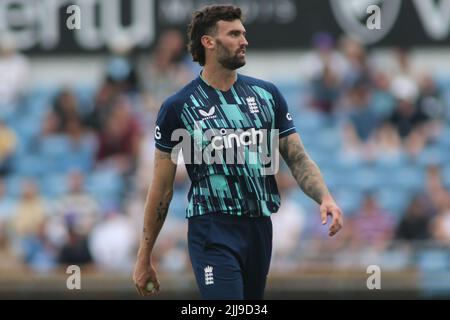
230	201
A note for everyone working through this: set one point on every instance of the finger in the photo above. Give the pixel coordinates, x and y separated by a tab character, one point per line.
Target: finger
336	224
139	290
142	291
334	229
156	282
323	214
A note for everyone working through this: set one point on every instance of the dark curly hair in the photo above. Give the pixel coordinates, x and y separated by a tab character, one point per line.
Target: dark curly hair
204	22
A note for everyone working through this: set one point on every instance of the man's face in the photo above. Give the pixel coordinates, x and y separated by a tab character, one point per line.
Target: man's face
231	44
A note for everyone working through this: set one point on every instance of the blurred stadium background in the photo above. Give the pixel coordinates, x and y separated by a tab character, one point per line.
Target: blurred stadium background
77	113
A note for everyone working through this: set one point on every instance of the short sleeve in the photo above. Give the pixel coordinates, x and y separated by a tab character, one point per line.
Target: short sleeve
283	119
166	123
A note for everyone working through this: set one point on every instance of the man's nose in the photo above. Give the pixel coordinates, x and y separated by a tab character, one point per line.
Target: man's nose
244	41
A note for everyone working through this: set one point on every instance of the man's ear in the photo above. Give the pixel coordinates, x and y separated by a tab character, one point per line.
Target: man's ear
208	42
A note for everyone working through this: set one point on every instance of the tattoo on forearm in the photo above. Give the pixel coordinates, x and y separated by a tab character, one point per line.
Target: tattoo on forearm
161	211
146	238
304	170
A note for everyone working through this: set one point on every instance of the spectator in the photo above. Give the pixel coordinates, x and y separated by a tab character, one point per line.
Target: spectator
430	101
8	141
166	72
38	252
356	59
14	71
113	243
434	183
362	120
49	130
104	100
120	80
75	250
9	259
440	225
6	203
82	145
66	108
382	102
372	226
120	68
78	206
119	141
326	90
386	145
404	85
30	212
50	125
406	118
324	55
360	125
415	223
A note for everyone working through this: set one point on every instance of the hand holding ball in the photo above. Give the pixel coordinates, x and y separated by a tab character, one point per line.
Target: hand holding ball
150	287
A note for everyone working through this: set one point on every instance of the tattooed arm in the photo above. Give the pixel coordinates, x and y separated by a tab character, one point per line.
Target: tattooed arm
310	180
156	207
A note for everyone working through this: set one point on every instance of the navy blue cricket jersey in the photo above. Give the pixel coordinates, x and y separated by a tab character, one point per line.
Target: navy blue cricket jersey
216	122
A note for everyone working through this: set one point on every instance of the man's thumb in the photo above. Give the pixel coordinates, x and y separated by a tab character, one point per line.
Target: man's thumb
323	215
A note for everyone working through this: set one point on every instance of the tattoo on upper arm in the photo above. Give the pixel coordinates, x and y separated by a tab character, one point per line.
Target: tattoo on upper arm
304	170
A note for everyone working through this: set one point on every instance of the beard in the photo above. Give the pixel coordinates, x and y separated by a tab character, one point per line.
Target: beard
228	59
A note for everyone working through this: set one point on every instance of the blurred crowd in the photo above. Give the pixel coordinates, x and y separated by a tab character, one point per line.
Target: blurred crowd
75	163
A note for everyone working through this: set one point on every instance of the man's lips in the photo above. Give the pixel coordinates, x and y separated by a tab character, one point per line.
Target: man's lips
241	52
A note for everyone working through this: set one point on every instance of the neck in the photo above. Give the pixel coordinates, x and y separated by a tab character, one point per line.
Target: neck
218	77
